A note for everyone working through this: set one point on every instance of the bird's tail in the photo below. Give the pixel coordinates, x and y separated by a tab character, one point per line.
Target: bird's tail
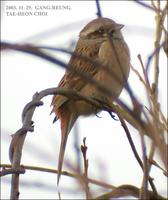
67	121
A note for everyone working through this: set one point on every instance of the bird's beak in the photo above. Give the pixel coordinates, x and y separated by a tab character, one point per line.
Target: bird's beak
119	26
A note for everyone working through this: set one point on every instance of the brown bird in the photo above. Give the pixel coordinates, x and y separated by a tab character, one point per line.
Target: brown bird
100	40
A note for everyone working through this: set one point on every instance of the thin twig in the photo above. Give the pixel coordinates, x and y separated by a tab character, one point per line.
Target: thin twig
16	151
5	171
135	152
18	138
86	164
160	16
49	170
37	52
127	190
153	162
145	5
147	83
144	188
99	13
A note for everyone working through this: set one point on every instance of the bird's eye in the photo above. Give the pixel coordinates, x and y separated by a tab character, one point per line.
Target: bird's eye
101	31
112	32
97	33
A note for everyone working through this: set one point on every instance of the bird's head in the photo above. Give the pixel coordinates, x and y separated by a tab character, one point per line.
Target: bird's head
102	28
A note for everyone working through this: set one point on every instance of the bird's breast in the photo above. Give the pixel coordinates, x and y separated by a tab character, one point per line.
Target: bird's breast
116	65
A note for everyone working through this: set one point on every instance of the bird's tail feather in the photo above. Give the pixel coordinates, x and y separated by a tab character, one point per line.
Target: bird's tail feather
67	121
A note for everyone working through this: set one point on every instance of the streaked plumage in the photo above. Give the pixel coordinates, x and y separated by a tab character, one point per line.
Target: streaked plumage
94	43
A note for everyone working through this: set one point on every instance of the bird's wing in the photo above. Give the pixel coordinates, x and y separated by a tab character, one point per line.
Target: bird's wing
75	82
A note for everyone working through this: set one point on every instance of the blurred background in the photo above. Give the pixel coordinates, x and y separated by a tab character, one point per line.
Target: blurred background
109	153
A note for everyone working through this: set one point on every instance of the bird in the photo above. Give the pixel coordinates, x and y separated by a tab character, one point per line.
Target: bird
101	41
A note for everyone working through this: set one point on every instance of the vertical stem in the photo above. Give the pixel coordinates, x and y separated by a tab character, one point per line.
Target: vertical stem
86	182
144	188
136	153
157	45
14	195
160	16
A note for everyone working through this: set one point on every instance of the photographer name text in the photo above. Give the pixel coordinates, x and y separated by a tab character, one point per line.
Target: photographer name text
36	10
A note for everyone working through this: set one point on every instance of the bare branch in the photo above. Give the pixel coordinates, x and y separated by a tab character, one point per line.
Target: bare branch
146	5
86	164
127	190
99	13
135	152
49	170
